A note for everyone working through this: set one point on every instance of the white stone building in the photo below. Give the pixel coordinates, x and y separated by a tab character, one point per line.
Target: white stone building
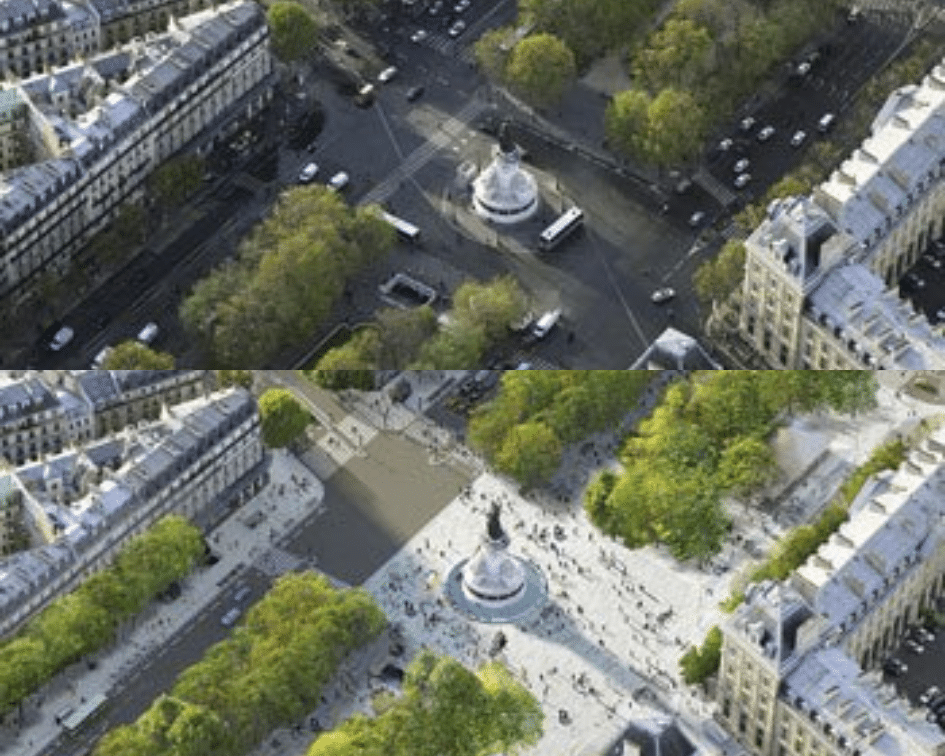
98	129
799	674
821	271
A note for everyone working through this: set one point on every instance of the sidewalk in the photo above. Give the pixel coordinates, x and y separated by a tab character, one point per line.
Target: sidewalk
284	502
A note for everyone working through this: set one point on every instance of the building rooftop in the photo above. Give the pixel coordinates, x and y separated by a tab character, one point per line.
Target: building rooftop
24	398
16	15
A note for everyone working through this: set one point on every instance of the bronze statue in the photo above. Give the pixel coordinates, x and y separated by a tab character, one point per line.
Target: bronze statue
506	144
495	527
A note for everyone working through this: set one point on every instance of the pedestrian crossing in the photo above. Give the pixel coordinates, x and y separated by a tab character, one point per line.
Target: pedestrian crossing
276	561
450	129
713	186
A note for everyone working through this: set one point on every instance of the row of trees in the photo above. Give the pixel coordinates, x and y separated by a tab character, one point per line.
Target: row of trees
706	439
86	620
694	69
290	271
523	431
445	709
539	67
479	318
269	673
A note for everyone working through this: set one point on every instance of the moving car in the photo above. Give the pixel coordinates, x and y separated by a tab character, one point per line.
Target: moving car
804	68
338	182
461	6
308	173
798	139
545	323
696	218
747	123
100	358
414	93
63	336
826	122
148	334
930	693
741	180
457	28
742	165
436	8
418	36
387	74
766	133
229	619
662	295
725	145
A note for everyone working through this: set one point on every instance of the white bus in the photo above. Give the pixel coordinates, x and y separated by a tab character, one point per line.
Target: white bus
557	232
406	231
84	714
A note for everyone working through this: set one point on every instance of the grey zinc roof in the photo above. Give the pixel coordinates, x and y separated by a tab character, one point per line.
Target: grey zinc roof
109	9
108	452
19	14
98	386
24	398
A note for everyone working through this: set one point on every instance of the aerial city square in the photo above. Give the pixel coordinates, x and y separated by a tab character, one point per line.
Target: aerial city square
462	184
564	563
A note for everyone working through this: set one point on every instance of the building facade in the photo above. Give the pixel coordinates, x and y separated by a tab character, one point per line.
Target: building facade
821	274
136	108
204	456
122	20
798	675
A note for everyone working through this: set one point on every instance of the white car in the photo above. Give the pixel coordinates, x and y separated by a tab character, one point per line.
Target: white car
148	334
338	182
457	28
662	295
308	173
63	336
766	133
741	180
418	36
742	165
804	68
696	218
725	145
101	357
387	74
747	123
798	139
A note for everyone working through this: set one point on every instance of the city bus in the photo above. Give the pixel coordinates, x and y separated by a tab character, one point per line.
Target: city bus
84	714
406	231
557	232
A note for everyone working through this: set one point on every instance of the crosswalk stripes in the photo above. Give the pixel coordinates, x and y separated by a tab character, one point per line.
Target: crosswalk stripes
276	562
713	186
422	155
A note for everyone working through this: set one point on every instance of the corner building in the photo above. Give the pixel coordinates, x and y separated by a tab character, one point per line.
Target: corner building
799	672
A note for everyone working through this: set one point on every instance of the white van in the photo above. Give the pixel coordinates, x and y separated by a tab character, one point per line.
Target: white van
148	334
545	323
63	336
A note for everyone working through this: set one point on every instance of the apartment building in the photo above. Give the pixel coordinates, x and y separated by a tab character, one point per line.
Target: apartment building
122	20
98	129
39	34
201	458
799	672
118	398
821	271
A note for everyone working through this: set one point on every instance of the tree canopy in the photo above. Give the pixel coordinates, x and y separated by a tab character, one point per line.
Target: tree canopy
293	32
133	355
282	418
445	709
708	437
85	620
175	180
540	68
291	270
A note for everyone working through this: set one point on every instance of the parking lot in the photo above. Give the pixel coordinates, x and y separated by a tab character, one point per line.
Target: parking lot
925	668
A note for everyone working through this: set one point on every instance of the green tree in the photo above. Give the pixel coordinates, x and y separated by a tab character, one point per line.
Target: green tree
132	355
492	52
453	347
716	279
282	418
676	127
492	306
530	453
352	364
176	179
700	664
242	378
627	121
746	465
541	68
401	334
679	54
292	30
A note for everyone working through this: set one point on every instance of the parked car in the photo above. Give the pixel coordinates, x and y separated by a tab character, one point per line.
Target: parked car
229	619
436	7
544	324
914	647
387	74
725	145
338	182
148	334
418	36
741	180
414	93
308	173
696	218
63	336
826	123
742	165
662	295
457	28
100	358
766	133
747	123
461	6
930	693
242	593
798	139
895	667
803	68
